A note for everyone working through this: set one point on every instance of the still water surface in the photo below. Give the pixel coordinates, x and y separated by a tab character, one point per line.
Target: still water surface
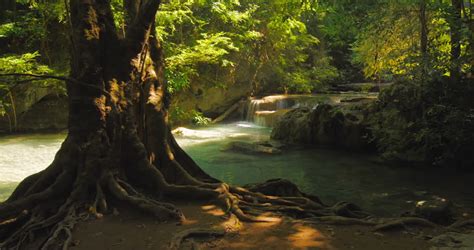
332	175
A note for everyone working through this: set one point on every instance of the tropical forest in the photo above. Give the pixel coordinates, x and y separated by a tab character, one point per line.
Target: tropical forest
236	124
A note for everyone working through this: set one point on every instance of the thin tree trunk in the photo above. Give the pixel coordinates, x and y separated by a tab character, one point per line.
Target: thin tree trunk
455	26
15	118
423	40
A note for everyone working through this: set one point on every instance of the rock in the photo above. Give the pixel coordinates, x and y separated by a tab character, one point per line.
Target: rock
268	118
37	108
326	125
294	127
437	210
273	144
255	148
453	240
50	113
115	212
209	99
280	187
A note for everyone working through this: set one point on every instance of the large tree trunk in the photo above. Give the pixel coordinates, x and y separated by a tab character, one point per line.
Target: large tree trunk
119	146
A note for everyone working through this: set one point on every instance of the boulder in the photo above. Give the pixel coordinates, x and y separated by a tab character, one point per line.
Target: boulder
253	148
453	240
325	125
437	210
50	113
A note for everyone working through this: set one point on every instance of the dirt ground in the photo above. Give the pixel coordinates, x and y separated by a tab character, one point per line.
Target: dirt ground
130	230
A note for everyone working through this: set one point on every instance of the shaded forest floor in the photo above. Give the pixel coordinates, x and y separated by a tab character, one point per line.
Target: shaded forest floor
131	230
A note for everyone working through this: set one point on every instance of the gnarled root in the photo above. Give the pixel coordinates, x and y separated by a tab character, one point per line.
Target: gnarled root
339	220
403	222
86	178
461	224
161	210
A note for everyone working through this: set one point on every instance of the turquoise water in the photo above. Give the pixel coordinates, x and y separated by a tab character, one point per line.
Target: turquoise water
332	175
23	155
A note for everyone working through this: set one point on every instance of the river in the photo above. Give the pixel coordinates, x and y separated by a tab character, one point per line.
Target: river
332	175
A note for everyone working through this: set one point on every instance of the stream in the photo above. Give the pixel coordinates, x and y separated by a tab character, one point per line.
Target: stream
332	175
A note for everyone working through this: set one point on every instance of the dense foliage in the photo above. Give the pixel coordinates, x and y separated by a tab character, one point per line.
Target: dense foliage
293	46
433	125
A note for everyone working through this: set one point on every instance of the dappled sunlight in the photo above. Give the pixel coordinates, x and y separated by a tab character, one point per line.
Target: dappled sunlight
188	222
306	236
213	210
233	224
208	207
195	134
335	99
270	220
270	223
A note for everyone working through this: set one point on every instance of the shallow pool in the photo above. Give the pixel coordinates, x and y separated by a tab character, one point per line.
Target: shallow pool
332	175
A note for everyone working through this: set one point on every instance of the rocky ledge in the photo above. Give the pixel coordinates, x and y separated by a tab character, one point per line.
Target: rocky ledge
340	126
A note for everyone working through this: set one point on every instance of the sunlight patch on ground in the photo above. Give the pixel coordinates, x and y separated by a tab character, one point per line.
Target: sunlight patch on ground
307	237
262	227
233	224
270	221
187	222
213	210
208	207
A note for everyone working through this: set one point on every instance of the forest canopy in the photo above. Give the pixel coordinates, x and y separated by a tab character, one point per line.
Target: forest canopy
297	46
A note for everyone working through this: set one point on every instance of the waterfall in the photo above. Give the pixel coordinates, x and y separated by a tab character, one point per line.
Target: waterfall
252	107
260	111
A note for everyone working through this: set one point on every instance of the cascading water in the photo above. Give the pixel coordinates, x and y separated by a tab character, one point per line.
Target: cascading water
252	107
258	111
266	111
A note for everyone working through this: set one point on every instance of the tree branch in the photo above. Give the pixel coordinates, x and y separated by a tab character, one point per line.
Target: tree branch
61	78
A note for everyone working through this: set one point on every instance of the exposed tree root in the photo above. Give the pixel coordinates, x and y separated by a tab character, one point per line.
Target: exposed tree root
96	180
91	196
403	222
161	210
461	224
339	220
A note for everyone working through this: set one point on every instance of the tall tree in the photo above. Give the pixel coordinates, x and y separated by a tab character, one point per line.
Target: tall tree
455	27
423	40
119	144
